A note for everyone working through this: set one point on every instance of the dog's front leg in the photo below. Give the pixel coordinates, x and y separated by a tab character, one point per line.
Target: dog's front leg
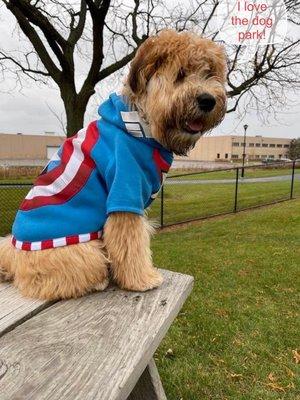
127	240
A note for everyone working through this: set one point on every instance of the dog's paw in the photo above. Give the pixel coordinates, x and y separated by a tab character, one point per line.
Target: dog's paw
100	286
149	280
5	276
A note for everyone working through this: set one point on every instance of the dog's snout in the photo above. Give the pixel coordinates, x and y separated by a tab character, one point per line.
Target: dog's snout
206	102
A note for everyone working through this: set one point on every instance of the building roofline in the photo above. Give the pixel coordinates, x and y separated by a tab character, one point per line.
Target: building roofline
248	137
32	134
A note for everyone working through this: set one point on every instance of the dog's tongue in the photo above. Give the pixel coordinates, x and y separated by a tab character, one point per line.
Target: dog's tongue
195	125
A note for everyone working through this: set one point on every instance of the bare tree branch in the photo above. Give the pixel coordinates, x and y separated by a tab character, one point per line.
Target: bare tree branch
82	43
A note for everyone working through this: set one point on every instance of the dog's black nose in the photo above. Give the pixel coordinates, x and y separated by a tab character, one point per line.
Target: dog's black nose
206	102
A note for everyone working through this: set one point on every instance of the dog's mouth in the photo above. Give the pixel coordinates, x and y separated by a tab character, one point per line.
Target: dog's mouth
194	126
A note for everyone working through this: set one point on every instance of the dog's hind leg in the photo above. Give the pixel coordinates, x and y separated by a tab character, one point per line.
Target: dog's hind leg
7	254
62	273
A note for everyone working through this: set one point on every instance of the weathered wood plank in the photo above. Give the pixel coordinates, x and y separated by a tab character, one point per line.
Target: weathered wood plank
15	309
149	386
95	347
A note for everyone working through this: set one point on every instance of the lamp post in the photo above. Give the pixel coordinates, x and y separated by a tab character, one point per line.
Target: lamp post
244	150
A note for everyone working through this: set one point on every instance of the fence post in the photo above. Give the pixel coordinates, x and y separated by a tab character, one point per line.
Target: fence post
162	207
236	190
292	181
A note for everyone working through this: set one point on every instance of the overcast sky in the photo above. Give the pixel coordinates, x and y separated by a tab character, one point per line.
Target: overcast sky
28	111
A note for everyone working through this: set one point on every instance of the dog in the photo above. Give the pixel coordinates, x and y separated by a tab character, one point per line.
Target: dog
83	221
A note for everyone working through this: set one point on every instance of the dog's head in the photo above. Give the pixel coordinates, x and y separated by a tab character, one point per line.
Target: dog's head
177	82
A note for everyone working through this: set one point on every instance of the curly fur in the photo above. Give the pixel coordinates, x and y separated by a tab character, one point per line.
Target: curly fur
61	273
167	102
127	240
166	76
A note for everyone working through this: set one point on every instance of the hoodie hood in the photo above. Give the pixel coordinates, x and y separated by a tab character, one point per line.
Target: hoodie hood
117	111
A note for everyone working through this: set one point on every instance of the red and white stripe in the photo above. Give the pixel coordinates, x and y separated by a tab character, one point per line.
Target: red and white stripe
162	169
53	243
161	164
67	179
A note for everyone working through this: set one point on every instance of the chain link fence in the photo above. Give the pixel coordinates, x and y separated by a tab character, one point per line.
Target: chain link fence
196	195
199	195
11	196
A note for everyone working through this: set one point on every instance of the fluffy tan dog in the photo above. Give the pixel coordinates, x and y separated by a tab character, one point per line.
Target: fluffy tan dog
176	83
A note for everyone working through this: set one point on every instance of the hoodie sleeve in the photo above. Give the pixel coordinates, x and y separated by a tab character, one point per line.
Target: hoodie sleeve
129	185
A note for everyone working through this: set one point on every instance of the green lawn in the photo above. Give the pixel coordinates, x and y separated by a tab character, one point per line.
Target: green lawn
258	172
27	180
236	335
10	200
181	202
188	201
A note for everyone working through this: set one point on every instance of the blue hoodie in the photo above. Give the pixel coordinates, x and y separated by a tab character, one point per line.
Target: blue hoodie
112	165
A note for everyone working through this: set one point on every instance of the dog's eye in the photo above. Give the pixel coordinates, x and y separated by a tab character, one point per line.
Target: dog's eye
181	75
209	74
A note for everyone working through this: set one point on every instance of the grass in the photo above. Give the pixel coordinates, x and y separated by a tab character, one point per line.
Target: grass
188	201
236	335
27	180
181	202
258	172
10	200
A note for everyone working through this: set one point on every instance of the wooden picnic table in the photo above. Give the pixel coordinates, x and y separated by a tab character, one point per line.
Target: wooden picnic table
96	347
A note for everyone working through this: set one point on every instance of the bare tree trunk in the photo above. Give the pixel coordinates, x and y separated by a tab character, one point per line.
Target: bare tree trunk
75	116
75	107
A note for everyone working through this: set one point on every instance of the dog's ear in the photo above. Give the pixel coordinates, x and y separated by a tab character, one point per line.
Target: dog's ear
146	62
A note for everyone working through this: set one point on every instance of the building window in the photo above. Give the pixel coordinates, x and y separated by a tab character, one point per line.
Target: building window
251	144
265	145
271	156
226	155
272	145
235	144
280	155
257	144
235	156
286	146
279	145
218	155
242	144
51	151
264	157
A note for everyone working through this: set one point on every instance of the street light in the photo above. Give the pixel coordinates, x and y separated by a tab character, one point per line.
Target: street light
244	150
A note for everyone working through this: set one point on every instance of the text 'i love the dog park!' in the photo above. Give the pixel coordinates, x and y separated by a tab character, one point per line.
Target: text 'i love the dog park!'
252	23
258	20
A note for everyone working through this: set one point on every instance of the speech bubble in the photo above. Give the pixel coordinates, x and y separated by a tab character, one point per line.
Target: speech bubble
251	23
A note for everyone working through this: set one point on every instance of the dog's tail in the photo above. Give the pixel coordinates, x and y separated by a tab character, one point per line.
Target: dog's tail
7	254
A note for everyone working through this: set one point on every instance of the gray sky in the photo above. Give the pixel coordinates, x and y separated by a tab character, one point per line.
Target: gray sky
28	111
